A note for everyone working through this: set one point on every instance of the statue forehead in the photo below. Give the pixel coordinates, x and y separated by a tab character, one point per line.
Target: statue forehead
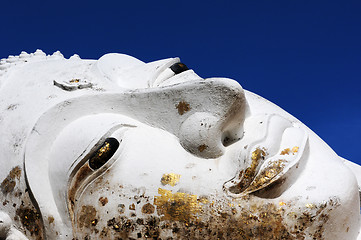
45	80
74	73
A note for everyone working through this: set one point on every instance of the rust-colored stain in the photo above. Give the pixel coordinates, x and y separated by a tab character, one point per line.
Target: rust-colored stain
9	183
20	207
15	173
121	228
103	200
132	206
16	201
202	147
177	206
115	225
87	217
18	194
30	219
148	208
170	179
80	176
185	216
183	107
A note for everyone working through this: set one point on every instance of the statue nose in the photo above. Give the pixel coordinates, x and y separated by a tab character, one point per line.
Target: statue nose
207	133
202	135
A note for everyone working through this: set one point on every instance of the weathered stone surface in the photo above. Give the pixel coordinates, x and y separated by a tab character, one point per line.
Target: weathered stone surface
120	149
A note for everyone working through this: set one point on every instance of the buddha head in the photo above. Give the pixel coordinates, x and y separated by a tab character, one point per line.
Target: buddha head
117	148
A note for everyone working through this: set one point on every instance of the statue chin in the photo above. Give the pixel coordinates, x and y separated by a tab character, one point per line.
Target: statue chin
117	148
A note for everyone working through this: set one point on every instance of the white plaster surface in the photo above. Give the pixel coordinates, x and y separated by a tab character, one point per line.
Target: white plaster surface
54	112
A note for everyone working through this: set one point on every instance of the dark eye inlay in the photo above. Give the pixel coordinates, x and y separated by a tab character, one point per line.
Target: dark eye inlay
178	68
103	153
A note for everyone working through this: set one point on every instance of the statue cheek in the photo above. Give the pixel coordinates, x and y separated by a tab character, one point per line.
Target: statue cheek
92	207
106	208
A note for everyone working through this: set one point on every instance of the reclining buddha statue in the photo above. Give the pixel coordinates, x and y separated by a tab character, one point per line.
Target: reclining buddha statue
116	148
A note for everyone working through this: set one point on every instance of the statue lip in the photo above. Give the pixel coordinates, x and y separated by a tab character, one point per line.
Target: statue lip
278	148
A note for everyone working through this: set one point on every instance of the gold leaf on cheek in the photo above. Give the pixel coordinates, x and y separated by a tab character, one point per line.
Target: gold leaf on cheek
177	206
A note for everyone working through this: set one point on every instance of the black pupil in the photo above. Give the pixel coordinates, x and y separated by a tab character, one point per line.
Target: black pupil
178	68
103	153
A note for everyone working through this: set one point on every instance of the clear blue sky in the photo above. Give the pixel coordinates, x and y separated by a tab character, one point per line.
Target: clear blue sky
305	56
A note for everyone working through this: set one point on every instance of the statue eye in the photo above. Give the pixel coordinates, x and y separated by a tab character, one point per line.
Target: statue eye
178	68
103	153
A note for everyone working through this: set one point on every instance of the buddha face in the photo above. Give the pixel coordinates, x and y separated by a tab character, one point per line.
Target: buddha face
120	149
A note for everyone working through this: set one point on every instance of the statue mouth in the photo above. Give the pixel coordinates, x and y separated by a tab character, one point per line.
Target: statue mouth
278	148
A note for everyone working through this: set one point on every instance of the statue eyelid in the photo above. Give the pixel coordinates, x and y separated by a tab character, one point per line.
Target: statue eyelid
97	161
